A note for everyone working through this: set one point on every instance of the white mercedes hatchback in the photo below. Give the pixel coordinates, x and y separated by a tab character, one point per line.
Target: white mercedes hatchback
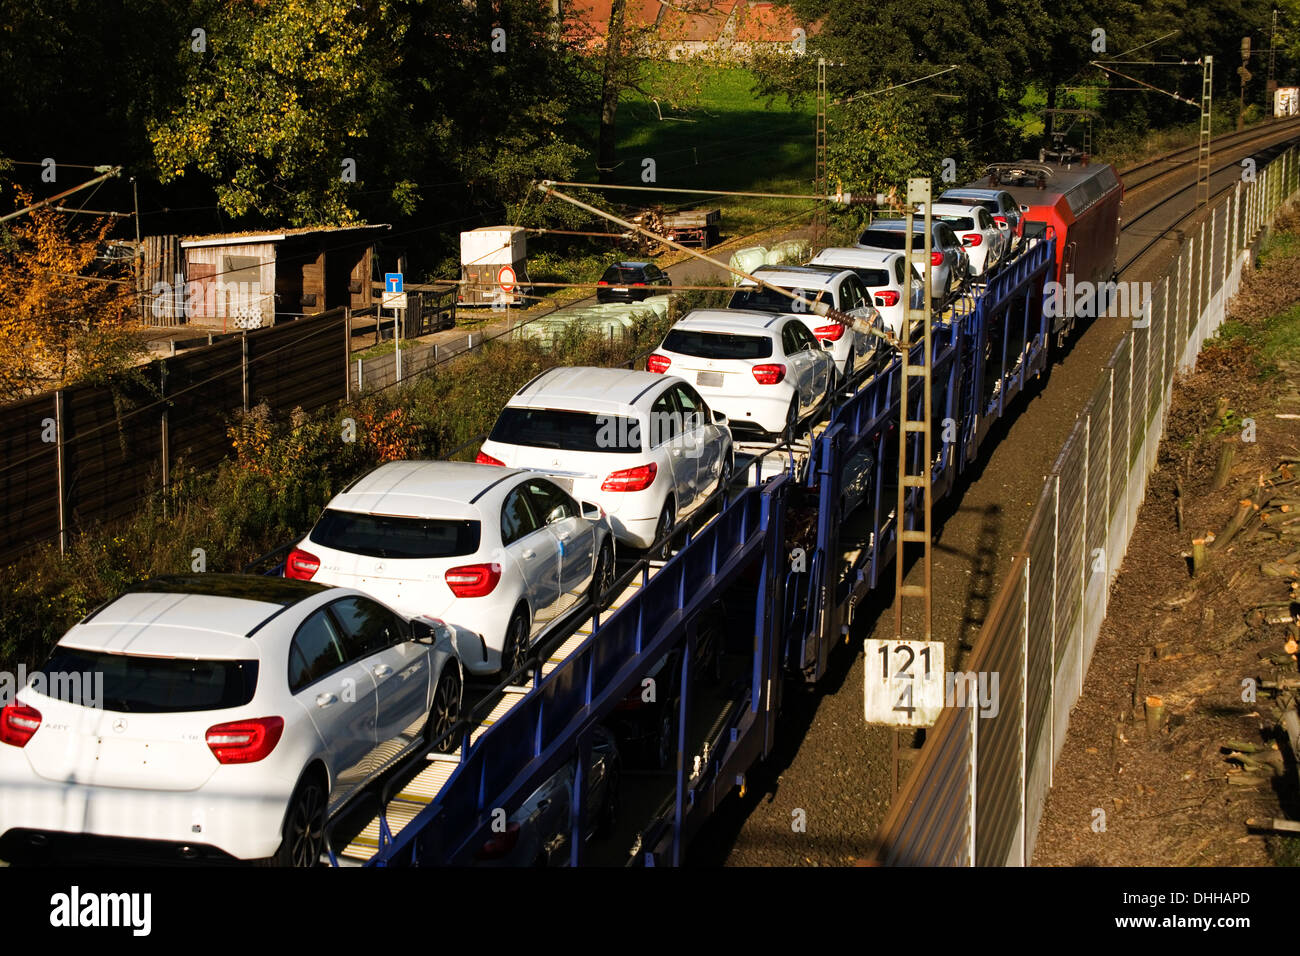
647	448
765	372
499	555
840	288
219	716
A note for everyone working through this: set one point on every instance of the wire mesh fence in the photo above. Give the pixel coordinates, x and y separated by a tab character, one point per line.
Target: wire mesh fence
977	792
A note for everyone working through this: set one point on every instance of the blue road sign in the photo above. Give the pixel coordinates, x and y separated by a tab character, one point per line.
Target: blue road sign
392	282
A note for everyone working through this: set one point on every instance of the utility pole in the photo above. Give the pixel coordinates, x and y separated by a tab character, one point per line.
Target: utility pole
820	185
1203	154
1270	88
918	193
1245	75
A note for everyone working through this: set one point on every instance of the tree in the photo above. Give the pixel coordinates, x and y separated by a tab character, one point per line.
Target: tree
278	107
58	324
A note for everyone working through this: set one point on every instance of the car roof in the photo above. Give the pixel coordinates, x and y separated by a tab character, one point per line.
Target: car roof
794	277
740	321
423	489
967	192
629	265
850	257
164	620
953	209
587	389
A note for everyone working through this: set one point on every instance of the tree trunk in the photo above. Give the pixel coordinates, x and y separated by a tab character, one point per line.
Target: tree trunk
610	88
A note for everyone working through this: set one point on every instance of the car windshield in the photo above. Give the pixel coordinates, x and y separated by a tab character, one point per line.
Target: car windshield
394	536
567	430
958	222
717	345
765	300
145	685
616	275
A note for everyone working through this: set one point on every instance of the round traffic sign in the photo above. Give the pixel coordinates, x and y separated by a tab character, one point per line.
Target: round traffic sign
506	278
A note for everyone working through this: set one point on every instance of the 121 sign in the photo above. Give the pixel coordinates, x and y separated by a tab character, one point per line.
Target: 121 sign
904	683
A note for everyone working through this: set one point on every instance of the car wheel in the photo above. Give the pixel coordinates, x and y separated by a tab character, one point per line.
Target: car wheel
515	651
666	739
724	477
303	839
667	518
603	579
791	420
445	710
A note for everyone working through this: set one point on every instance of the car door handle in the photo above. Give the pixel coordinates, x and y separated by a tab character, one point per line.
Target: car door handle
563	537
383	670
529	554
324	700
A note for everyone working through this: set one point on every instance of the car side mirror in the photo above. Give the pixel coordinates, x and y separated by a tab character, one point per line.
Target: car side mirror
429	630
719	418
1024	208
591	511
557	514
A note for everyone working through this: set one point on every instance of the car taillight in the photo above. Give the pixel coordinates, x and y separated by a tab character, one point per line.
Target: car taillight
830	332
1001	219
936	258
602	282
972	239
769	374
631	479
244	741
888	297
638	283
501	844
658	363
17	724
473	580
483	458
300	565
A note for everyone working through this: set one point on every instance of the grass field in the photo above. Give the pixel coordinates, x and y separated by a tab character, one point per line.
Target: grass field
723	138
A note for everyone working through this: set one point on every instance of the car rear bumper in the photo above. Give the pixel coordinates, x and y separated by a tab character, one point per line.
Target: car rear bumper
766	412
240	818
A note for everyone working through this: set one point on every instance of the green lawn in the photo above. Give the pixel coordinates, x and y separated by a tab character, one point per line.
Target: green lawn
724	138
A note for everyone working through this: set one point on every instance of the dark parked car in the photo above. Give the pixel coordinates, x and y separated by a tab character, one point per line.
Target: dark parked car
632	282
537	834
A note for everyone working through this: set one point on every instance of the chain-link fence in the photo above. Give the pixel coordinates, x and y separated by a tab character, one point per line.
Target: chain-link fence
978	790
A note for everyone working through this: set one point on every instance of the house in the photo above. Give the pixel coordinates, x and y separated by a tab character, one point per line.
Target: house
252	279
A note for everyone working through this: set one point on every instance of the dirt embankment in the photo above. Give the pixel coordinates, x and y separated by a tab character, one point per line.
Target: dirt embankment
1176	742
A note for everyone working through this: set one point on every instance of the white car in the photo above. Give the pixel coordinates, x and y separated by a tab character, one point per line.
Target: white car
229	716
498	554
841	289
987	244
765	372
645	447
883	274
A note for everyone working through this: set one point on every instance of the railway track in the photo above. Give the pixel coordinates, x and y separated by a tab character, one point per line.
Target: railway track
827	764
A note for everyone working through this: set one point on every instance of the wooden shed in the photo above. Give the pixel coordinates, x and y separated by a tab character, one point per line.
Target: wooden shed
249	280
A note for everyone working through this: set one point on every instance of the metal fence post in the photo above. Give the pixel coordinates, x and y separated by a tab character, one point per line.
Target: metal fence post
60	466
166	437
1024	715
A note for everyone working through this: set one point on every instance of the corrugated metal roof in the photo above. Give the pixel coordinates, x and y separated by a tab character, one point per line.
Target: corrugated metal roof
273	235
